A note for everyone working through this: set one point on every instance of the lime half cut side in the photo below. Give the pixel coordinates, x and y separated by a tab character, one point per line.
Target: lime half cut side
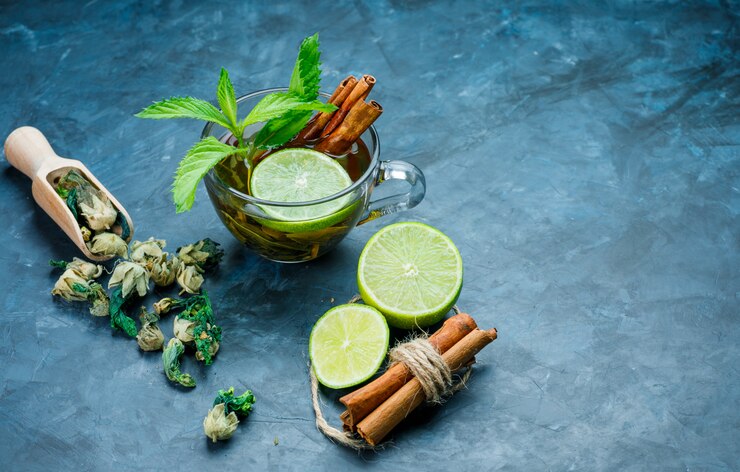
412	273
300	175
348	345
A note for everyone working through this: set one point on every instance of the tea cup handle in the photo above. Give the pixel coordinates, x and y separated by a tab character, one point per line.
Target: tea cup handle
396	170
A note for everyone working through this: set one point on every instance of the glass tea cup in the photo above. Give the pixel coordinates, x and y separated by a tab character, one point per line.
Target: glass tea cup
257	224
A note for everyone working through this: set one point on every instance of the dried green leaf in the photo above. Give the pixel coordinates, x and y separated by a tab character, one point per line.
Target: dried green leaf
241	405
171	363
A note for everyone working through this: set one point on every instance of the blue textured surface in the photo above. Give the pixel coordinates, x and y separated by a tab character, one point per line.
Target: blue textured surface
584	157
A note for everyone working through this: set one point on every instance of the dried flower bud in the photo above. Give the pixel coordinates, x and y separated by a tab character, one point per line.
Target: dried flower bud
132	277
85	269
183	330
217	425
147	317
71	286
146	251
86	233
189	278
164	305
163	272
206	254
212	349
150	337
98	211
171	362
108	244
99	302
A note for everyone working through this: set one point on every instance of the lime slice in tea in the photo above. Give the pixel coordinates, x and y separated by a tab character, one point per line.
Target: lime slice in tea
301	175
348	344
412	273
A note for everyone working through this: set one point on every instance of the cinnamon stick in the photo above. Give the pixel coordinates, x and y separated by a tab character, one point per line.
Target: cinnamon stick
359	93
314	129
364	400
359	119
391	412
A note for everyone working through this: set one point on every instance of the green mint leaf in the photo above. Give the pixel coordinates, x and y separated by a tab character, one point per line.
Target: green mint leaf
277	104
197	162
184	107
226	97
306	77
279	131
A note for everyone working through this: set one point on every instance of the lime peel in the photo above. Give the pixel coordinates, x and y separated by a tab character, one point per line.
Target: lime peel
412	273
348	345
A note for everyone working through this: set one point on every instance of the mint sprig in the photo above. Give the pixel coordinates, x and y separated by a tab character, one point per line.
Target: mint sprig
304	82
184	107
226	96
205	154
306	77
285	114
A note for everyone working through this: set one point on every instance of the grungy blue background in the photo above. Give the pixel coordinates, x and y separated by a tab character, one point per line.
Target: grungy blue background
583	155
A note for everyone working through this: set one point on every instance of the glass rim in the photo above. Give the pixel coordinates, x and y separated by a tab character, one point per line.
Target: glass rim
215	180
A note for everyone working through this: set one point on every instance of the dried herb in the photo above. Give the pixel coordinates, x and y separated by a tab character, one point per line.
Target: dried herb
165	305
99	301
71	286
189	278
219	426
196	320
144	252
241	405
71	201
150	337
163	272
118	318
206	254
183	330
131	277
84	269
171	362
222	420
108	244
75	284
122	222
88	204
100	222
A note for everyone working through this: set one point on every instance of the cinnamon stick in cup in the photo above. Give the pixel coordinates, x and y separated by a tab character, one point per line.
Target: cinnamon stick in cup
364	400
314	129
359	119
359	93
391	412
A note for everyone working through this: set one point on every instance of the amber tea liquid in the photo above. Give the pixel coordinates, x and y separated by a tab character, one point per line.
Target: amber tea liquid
283	245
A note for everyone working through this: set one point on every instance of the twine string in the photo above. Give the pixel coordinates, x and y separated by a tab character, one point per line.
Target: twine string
427	365
424	362
344	438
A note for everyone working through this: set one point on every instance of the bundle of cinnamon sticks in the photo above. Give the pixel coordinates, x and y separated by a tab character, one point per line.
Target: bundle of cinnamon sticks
375	409
334	133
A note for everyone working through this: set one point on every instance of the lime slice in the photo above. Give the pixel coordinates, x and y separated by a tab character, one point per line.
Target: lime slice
348	344
301	175
412	273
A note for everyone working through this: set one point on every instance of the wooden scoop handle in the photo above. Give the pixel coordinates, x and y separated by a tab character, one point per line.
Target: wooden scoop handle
28	150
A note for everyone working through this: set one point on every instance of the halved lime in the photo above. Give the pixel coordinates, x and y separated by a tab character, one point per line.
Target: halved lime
412	273
301	175
348	344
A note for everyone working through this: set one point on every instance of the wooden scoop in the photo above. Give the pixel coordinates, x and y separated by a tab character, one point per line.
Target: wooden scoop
28	151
